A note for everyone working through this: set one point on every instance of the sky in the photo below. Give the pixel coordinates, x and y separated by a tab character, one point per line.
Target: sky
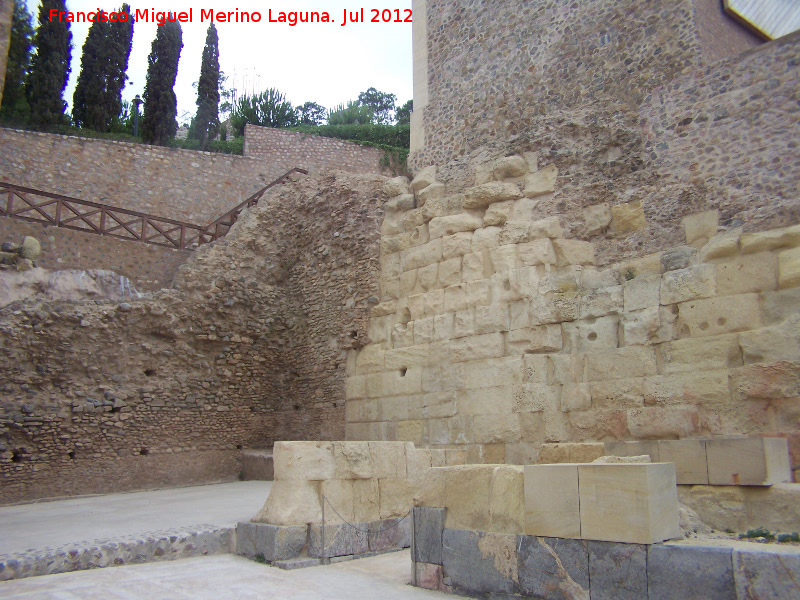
326	63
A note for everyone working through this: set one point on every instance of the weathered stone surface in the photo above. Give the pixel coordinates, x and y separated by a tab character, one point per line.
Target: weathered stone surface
423	179
656	422
678	258
395	187
428	525
701	227
714	316
789	268
480	562
628	217
270	541
721	245
768	574
597	218
340	540
352	460
553	568
641	292
31	248
785	237
637	448
428	576
541	182
310	461
498	213
387	535
743	461
291	503
688	284
617	571
510	167
676	572
747	273
483	195
689	457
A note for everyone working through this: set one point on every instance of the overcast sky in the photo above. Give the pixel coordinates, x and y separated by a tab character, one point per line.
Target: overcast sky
320	62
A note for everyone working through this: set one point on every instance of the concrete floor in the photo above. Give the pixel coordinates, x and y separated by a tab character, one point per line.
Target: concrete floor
229	577
51	524
223	577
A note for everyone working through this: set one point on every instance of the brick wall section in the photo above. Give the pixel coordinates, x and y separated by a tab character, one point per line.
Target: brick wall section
583	85
311	152
249	347
149	267
497	334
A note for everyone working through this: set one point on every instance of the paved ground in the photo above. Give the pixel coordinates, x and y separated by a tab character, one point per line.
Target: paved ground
223	577
229	577
51	524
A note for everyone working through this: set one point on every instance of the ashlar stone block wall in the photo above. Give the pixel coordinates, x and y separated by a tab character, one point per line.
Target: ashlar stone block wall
496	333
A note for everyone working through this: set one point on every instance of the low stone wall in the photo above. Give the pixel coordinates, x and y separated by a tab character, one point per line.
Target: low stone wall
499	565
156	546
314	153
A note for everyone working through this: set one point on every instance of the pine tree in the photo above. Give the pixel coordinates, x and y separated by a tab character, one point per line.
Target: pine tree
14	105
50	67
206	122
160	103
98	94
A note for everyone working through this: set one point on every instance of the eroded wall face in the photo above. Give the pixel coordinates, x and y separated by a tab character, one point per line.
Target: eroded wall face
249	347
497	333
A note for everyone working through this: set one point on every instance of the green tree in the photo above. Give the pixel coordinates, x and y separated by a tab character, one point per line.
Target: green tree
160	104
311	113
267	109
50	67
98	94
14	105
382	104
205	124
403	114
352	114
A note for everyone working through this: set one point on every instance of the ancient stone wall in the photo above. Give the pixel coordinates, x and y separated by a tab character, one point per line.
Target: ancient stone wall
6	15
249	347
498	333
311	152
148	267
627	100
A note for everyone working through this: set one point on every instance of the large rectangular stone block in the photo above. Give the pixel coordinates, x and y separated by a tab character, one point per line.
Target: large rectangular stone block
631	503
309	461
617	571
767	574
553	568
341	539
714	316
552	505
478	562
387	535
748	461
676	572
689	457
428	525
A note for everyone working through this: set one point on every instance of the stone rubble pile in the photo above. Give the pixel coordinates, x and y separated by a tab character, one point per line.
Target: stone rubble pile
21	255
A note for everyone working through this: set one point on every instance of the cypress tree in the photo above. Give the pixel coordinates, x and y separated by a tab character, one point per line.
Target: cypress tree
160	103
19	59
50	67
206	121
98	93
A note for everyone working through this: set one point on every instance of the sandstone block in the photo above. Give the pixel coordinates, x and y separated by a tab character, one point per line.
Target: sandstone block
395	497
443	327
544	338
618	393
525	209
591	335
714	316
504	258
403	335
681	257
433	192
509	167
352	460
485	401
485	238
467	497
489	319
422	256
655	422
637	448
404	202
291	503
628	217
676	572
31	248
546	228
570	452
694	387
689	457
641	327
575	397
748	273
428	276
786	237
395	187
701	227
498	213
457	244
477	347
496	429
483	195
541	182
310	461
630	503
338	493
748	461
721	245
475	266
641	292
506	497
596	218
688	284
423	179
464	323
770	381
451	224
423	331
493	372
632	361
701	354
772	344
537	252
617	571
649	264
478	293
366	500
574	252
593	278
552	505
479	562
553	568
789	268
515	232
601	302
388	460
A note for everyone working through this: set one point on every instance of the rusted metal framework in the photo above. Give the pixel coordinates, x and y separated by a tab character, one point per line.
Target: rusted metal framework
55	210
